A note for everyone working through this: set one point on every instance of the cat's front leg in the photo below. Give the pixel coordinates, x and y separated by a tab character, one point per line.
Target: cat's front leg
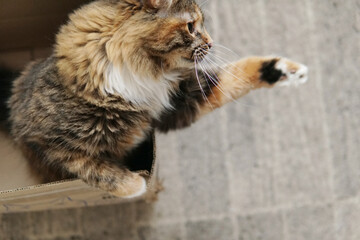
226	84
237	79
108	176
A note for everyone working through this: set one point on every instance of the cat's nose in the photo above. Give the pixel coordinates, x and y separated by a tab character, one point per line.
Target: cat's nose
210	44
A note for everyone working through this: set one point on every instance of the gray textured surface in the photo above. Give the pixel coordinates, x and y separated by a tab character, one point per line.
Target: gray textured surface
282	164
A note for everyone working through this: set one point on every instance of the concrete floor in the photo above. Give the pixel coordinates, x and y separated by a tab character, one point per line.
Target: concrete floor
281	164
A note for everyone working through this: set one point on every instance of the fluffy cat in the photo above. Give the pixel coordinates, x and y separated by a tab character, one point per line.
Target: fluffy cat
120	69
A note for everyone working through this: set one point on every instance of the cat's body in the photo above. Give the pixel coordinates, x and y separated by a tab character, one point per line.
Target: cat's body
120	69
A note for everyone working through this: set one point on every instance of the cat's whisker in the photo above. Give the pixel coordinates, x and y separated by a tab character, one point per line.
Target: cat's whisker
237	101
205	77
207	67
215	83
198	80
226	48
215	80
243	81
244	77
224	61
219	52
200	64
208	76
209	62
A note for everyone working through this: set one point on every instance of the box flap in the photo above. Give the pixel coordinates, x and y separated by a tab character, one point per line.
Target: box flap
76	193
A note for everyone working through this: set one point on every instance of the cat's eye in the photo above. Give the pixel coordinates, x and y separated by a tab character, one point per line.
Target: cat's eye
191	27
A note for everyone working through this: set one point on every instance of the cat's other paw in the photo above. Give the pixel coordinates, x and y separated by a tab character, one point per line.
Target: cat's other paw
283	72
131	186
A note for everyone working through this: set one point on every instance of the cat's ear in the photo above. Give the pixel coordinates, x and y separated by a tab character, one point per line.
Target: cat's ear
157	4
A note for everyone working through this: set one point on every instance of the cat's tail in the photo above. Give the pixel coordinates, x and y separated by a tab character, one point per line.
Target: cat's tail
6	78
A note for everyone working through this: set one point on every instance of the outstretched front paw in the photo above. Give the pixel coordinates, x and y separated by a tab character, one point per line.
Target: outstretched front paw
283	72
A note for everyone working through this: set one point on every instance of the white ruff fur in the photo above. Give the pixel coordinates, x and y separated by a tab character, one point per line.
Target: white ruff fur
154	93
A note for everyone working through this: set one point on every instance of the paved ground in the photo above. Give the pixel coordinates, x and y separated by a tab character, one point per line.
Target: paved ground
281	164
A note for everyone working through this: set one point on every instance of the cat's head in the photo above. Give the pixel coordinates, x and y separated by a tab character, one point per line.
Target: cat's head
179	33
168	34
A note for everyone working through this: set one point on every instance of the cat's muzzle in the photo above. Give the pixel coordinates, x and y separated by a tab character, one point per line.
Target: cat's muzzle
201	52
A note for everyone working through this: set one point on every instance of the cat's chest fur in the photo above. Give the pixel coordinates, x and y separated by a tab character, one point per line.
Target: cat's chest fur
143	91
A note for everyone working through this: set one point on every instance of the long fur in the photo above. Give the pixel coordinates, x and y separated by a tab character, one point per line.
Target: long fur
120	69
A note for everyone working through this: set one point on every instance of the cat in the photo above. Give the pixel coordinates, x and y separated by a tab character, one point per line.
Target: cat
120	69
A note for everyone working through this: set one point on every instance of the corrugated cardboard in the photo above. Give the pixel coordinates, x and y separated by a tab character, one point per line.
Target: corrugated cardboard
69	193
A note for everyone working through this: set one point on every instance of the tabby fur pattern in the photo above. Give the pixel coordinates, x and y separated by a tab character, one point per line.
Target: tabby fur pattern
119	70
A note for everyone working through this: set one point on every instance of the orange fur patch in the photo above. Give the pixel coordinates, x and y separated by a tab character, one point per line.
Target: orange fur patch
236	81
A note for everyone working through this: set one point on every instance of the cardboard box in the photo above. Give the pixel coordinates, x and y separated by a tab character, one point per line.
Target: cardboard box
28	31
19	192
